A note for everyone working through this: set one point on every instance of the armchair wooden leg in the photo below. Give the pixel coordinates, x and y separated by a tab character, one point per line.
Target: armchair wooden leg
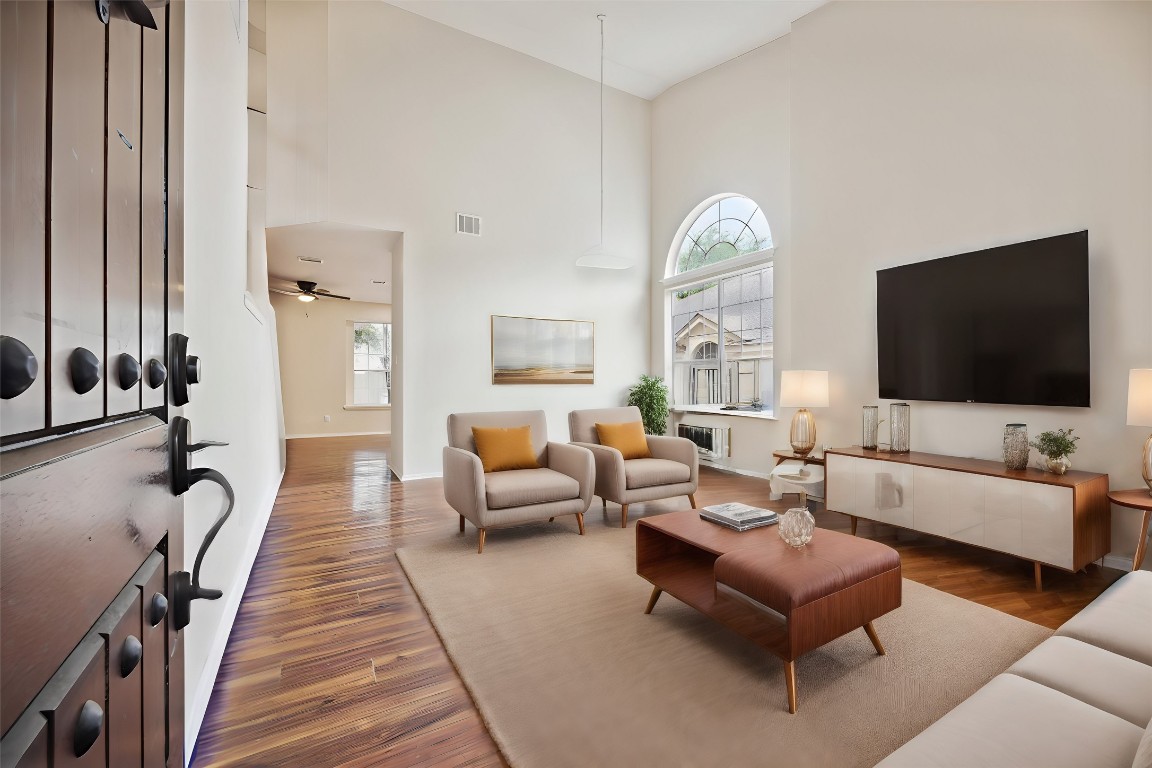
580	522
461	523
604	502
551	519
483	533
623	515
692	500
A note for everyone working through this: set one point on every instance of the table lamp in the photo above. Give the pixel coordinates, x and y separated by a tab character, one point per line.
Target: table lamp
803	390
1140	414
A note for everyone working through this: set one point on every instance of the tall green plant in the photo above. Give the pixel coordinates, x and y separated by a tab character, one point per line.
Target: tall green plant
651	397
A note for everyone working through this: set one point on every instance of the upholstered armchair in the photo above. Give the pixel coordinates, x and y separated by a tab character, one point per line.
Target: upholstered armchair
671	469
559	479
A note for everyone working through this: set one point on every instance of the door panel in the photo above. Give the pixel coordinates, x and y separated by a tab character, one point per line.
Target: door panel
77	201
123	229
1046	523
151	151
1002	528
840	483
67	717
125	710
932	500
154	638
966	520
23	190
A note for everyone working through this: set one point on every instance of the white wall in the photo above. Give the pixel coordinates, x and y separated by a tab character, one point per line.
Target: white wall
425	121
695	155
315	363
922	130
235	402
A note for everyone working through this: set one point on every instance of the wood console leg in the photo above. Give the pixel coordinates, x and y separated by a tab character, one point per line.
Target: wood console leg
875	638
483	533
853	525
623	515
790	679
580	522
1036	573
1142	545
656	592
692	500
461	523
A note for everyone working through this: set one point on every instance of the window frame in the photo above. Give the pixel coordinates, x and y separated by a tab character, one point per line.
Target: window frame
351	404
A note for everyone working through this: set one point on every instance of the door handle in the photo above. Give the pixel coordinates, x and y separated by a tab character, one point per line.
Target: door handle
185	369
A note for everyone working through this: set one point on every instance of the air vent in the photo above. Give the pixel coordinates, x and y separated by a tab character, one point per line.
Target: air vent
467	224
310	259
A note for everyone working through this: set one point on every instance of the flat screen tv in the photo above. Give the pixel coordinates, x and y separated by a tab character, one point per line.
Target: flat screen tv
1003	325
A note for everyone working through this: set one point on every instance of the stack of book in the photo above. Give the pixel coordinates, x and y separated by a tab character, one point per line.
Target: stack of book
739	517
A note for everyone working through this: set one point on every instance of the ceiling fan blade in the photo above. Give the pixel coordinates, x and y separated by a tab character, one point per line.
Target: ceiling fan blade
326	295
137	13
286	293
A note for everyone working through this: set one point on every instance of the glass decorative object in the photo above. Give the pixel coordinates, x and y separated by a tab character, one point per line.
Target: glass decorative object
900	424
1058	465
1015	446
796	526
871	422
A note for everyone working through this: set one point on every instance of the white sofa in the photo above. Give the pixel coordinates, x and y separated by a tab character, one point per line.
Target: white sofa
1081	698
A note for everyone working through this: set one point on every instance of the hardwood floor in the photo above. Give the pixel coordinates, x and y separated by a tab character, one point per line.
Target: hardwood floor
332	660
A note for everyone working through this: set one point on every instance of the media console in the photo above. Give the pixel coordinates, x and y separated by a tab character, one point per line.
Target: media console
1059	520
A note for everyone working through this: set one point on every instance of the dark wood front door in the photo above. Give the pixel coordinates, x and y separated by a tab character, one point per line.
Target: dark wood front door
91	277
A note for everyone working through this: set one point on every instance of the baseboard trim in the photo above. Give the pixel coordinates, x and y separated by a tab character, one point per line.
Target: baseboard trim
421	476
335	434
194	717
1119	562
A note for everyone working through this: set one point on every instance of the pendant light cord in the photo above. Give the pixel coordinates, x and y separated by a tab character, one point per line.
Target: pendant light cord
601	17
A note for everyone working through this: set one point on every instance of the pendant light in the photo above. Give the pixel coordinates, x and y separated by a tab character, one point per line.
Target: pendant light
597	257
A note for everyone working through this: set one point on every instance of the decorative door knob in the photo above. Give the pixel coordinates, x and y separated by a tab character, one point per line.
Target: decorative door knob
157	609
157	373
88	727
128	370
130	654
84	368
18	367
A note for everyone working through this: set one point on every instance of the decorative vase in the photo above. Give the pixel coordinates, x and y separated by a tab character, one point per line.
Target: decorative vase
1015	446
1058	465
900	424
871	422
796	526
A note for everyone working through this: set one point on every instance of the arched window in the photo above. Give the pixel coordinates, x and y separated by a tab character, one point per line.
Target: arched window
720	291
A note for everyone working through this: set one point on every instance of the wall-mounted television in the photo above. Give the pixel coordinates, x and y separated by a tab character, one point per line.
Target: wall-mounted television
1002	325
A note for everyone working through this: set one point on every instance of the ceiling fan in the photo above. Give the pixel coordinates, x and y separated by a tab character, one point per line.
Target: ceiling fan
309	292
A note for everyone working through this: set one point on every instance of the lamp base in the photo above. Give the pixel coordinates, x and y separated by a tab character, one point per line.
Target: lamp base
803	432
1146	464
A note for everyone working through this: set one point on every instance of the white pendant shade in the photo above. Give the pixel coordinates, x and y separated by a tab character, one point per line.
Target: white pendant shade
598	258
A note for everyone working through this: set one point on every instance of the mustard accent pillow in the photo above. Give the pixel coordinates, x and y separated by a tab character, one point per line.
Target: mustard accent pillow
628	438
502	448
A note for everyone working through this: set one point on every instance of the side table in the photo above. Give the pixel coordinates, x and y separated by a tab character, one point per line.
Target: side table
1137	498
786	455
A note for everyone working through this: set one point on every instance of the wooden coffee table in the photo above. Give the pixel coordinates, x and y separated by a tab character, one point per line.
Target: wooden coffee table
788	601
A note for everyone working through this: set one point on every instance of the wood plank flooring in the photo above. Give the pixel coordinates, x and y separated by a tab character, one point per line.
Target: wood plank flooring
332	660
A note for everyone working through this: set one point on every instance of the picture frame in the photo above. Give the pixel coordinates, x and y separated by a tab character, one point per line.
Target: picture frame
536	350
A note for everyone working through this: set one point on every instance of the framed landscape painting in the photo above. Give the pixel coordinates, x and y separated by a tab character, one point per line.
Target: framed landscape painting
532	350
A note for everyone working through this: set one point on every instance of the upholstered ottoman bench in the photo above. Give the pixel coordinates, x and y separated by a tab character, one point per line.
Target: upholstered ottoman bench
789	601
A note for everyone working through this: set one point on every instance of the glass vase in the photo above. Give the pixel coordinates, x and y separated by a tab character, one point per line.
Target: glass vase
900	424
796	526
1015	446
871	422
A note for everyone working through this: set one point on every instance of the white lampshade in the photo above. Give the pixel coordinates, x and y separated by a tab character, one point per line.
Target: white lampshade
597	258
804	389
1140	397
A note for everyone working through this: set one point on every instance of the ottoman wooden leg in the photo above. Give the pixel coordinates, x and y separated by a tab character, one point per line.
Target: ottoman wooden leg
875	638
656	592
461	523
853	525
790	679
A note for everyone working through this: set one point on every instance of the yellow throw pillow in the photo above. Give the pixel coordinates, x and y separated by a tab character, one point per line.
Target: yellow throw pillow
502	448
628	438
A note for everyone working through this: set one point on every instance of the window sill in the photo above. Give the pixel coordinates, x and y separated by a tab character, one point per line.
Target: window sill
368	407
716	411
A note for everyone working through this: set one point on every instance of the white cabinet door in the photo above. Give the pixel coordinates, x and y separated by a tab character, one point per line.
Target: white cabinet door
1046	523
966	516
932	499
1002	529
884	492
840	483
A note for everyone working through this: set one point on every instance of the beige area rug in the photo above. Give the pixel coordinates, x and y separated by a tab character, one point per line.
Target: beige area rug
548	632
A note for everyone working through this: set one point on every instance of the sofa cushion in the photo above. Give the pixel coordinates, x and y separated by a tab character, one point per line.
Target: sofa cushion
628	438
1106	680
644	473
1013	721
520	487
505	448
1119	620
1143	757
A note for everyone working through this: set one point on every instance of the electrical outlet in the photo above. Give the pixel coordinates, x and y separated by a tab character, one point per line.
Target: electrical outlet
327	418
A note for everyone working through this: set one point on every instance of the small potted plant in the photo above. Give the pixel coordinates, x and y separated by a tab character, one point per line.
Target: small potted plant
1056	447
651	397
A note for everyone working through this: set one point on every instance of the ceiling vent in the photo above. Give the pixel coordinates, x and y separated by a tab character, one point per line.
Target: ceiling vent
467	224
310	259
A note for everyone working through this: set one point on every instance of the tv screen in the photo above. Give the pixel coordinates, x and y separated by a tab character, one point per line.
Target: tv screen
1003	325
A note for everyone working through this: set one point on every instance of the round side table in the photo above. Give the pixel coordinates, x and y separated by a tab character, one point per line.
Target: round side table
1138	498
